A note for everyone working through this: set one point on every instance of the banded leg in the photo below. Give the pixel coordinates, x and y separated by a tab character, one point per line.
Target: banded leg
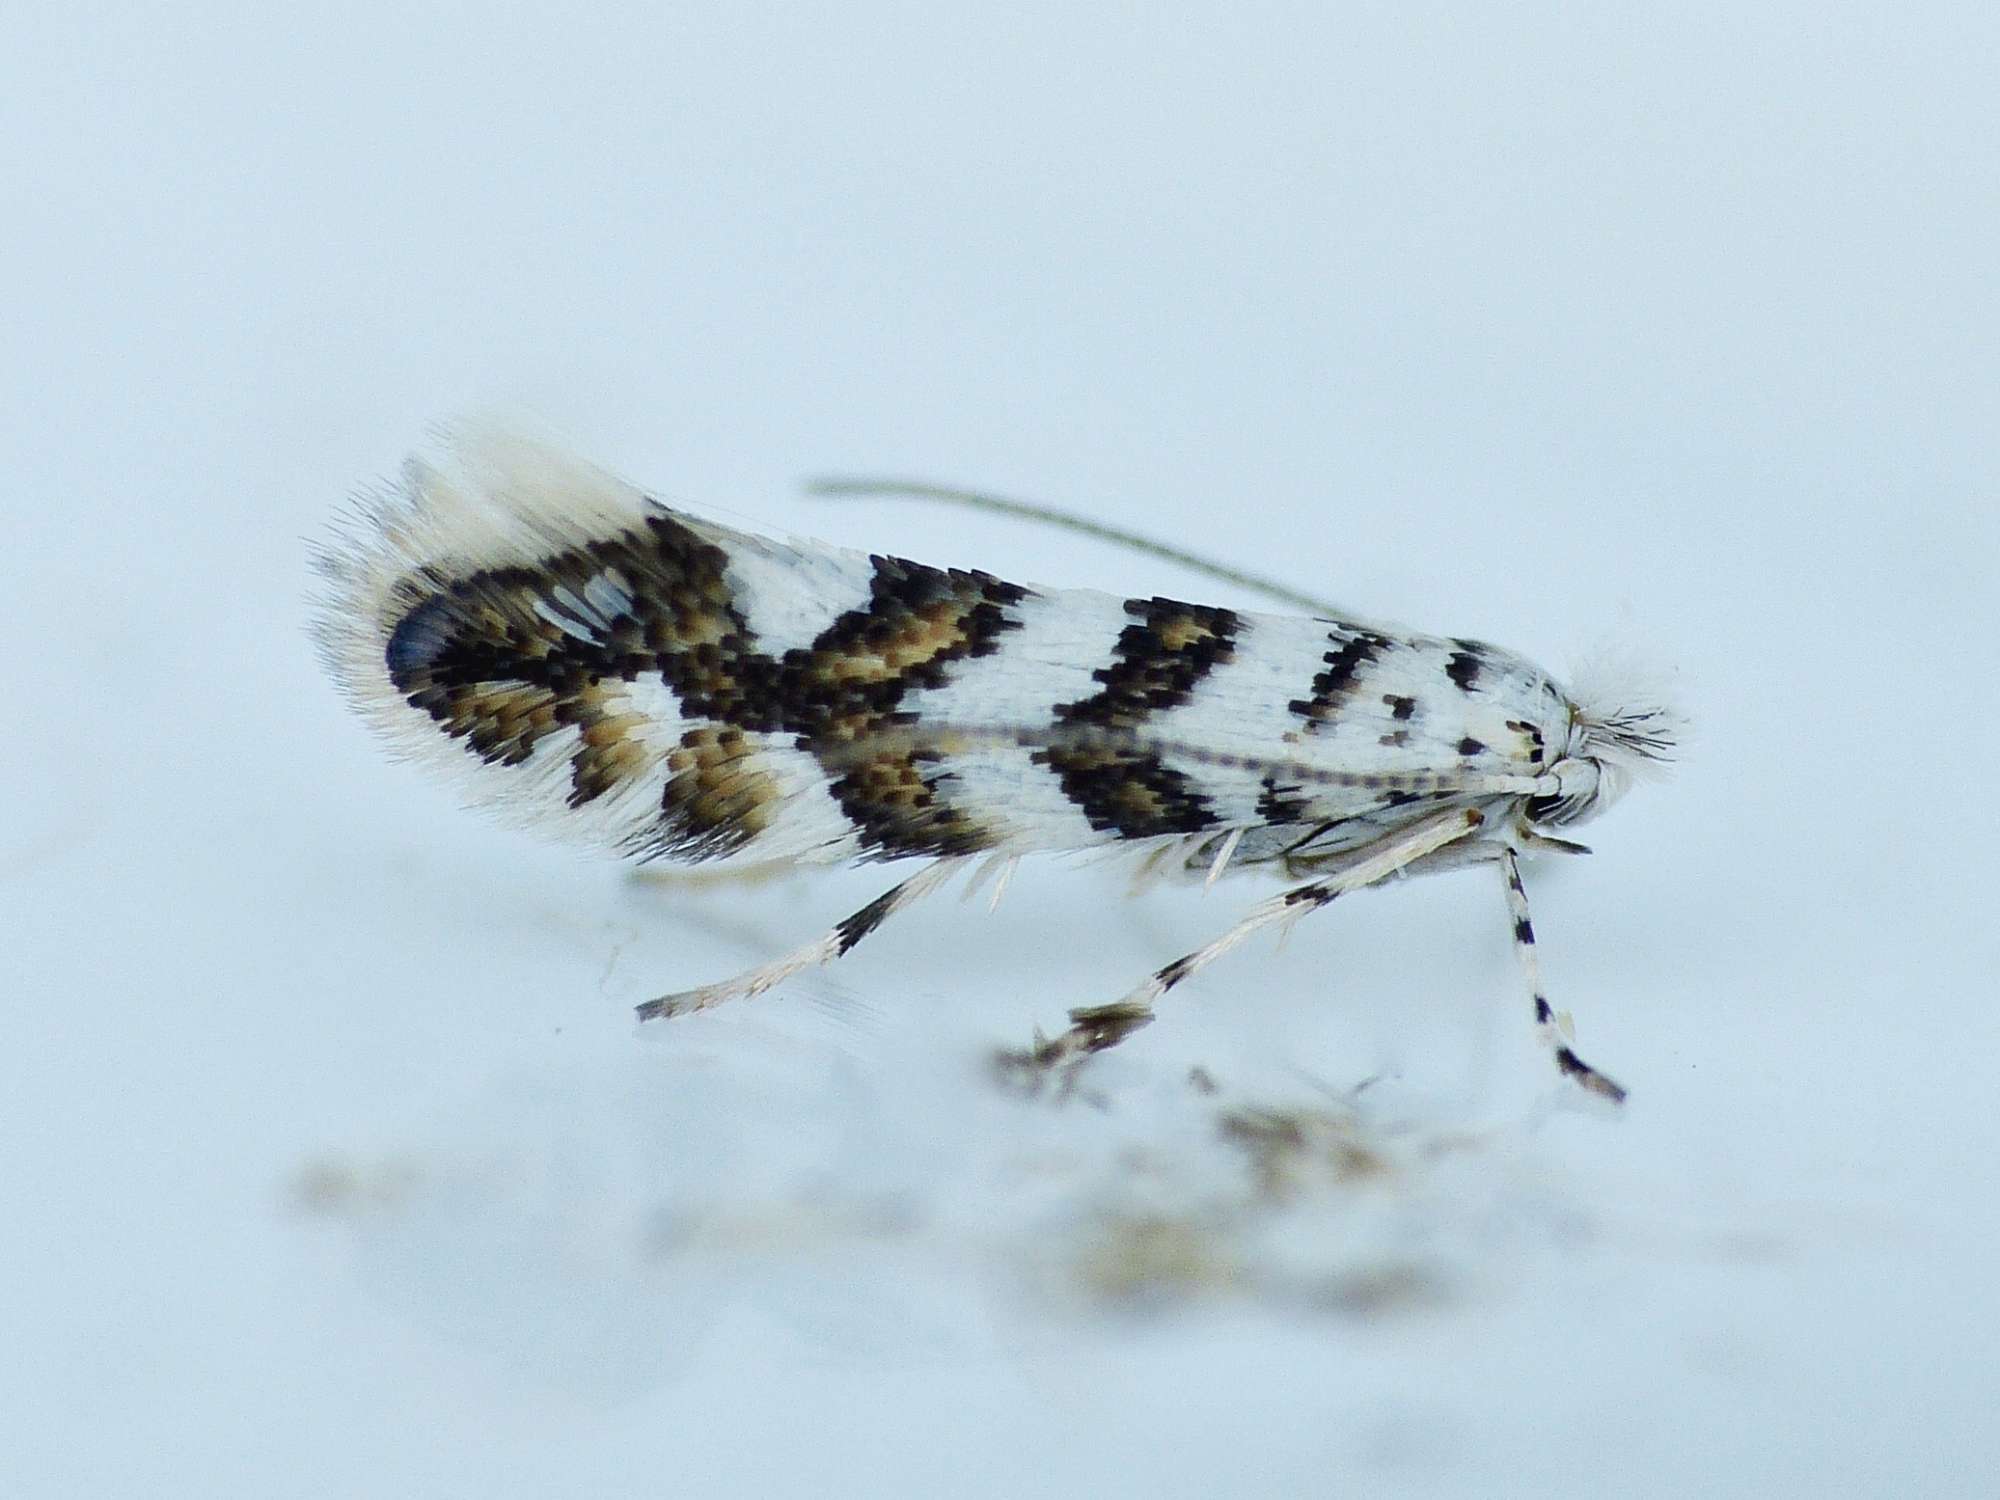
822	950
1095	1028
1547	1026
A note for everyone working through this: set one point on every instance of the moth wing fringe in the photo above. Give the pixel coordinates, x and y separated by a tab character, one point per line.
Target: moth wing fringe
497	499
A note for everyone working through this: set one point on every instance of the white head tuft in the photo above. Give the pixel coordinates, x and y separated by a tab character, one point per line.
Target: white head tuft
1626	718
1623	728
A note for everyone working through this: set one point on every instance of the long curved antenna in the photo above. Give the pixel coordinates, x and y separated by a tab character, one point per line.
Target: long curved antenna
1048	515
951	737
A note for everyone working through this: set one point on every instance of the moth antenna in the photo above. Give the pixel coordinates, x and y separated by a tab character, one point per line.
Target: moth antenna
844	487
948	738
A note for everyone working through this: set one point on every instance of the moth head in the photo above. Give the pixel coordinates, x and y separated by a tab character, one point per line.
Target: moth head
1621	730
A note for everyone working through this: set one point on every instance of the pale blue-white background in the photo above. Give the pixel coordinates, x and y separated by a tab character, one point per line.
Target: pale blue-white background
332	1164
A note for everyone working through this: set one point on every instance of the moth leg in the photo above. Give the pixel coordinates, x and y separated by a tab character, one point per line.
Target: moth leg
822	950
703	877
1095	1028
1548	1026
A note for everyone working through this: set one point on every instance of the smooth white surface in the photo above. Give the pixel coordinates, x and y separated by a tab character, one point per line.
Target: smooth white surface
333	1164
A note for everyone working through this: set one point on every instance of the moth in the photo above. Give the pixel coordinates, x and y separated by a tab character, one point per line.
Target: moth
591	662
